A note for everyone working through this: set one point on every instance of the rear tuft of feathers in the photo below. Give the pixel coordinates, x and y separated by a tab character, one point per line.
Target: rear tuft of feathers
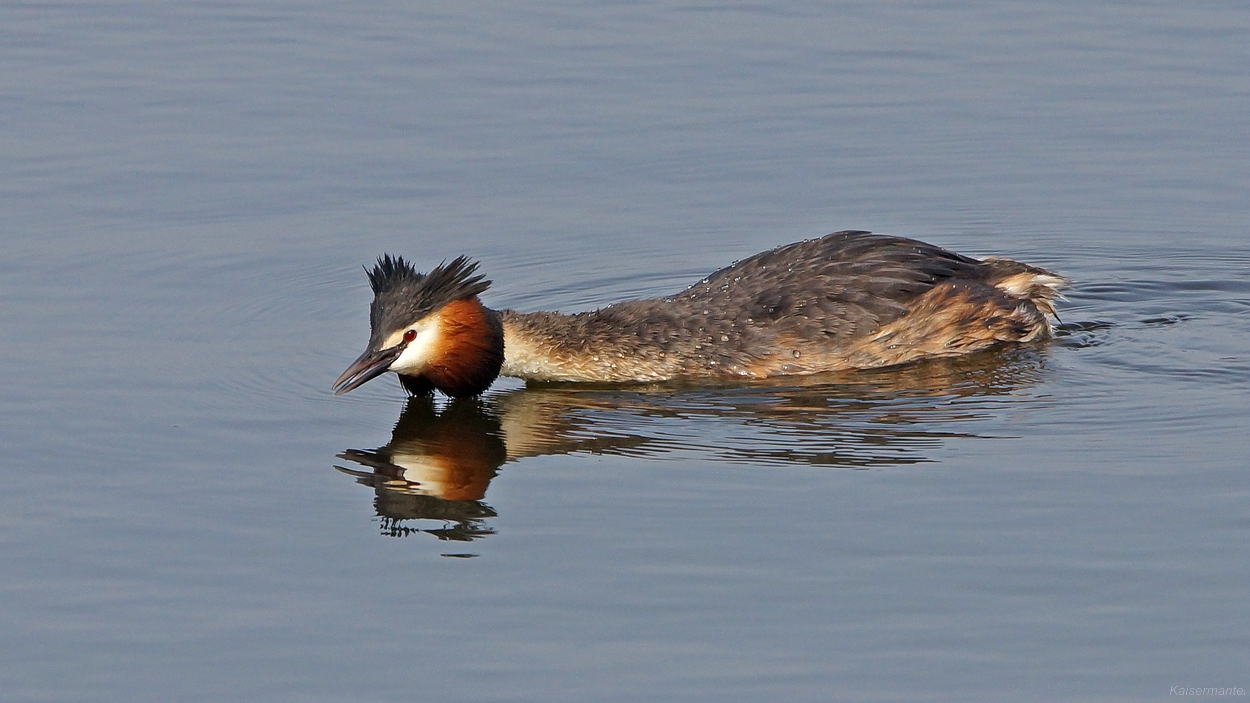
401	295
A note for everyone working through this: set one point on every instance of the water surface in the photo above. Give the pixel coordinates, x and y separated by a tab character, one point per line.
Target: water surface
189	513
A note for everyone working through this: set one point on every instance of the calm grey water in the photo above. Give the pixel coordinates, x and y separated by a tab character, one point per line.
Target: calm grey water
189	190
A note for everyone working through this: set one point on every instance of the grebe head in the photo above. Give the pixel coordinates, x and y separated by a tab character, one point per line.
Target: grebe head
429	327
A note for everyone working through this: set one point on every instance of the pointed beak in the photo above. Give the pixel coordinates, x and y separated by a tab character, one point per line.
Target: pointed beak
370	365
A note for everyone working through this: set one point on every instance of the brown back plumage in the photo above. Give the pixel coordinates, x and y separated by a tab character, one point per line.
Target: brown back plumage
801	308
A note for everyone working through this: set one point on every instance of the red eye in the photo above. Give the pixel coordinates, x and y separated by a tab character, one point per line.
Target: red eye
410	335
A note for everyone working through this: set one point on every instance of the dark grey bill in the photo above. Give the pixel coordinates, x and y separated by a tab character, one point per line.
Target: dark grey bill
370	365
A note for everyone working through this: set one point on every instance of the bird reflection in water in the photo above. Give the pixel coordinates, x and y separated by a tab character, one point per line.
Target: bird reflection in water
436	467
442	457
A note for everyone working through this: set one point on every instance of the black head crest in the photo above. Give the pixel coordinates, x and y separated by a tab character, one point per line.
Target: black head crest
401	296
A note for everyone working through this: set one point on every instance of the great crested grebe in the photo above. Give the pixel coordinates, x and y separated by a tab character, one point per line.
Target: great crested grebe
849	300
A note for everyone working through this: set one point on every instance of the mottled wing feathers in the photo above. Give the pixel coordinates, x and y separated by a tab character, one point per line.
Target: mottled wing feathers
846	300
844	284
808	295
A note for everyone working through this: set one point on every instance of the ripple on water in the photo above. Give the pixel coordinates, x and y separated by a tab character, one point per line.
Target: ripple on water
234	326
1160	313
